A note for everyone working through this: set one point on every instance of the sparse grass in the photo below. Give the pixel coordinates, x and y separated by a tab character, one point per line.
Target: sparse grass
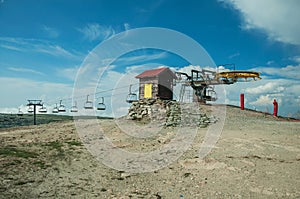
40	164
14	162
74	143
12	151
24	182
8	120
2	173
57	146
143	121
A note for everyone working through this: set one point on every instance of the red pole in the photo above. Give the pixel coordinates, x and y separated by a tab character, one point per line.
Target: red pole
242	101
275	108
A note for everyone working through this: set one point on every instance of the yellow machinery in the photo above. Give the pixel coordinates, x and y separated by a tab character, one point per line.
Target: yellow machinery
237	76
202	81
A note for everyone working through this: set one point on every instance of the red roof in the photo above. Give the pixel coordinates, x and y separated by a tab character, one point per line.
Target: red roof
153	73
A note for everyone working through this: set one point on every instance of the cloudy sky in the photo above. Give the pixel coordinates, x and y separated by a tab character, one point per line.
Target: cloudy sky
45	48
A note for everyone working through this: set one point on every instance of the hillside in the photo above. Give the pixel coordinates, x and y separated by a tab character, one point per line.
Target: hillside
256	156
14	120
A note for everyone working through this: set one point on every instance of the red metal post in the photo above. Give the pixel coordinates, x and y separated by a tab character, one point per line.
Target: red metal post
275	108
242	101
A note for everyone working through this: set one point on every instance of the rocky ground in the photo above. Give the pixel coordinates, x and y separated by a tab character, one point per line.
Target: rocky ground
256	156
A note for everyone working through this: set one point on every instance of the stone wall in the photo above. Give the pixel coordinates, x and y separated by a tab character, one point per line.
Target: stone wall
170	113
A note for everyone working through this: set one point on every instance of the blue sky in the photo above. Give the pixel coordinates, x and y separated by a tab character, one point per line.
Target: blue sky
44	43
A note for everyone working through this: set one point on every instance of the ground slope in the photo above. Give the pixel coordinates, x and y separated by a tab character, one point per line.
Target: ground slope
257	156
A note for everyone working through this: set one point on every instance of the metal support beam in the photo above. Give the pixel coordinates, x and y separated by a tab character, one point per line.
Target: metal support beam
34	103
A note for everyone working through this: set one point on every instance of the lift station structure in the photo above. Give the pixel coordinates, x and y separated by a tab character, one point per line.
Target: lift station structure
203	81
158	83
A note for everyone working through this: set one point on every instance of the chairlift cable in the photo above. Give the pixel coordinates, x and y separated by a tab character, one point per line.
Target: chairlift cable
62	108
83	96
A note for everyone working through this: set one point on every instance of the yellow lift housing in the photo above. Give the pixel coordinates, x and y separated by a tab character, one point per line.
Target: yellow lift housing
238	76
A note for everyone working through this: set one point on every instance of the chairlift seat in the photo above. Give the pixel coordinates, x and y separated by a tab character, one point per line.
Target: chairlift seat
43	110
88	105
20	113
101	106
30	110
74	109
61	109
212	95
132	97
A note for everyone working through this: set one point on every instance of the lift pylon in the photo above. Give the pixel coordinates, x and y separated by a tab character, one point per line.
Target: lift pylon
34	103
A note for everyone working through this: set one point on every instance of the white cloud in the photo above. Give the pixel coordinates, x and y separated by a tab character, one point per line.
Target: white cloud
139	68
126	26
188	69
16	91
10	47
151	7
130	61
54	50
69	73
272	87
260	94
26	70
37	46
289	71
234	55
296	59
263	100
95	31
51	32
279	19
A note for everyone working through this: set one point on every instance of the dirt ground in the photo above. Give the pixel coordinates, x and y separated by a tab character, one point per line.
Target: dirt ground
257	156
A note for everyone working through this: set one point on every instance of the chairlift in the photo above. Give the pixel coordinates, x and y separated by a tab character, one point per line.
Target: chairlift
43	109
30	109
88	104
101	106
61	107
20	113
211	95
74	108
131	97
55	109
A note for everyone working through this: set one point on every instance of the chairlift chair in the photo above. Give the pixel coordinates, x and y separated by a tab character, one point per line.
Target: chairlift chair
88	104
101	106
131	97
43	109
55	109
20	113
211	95
30	109
61	107
74	108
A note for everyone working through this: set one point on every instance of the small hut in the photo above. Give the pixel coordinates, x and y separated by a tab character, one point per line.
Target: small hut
156	84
